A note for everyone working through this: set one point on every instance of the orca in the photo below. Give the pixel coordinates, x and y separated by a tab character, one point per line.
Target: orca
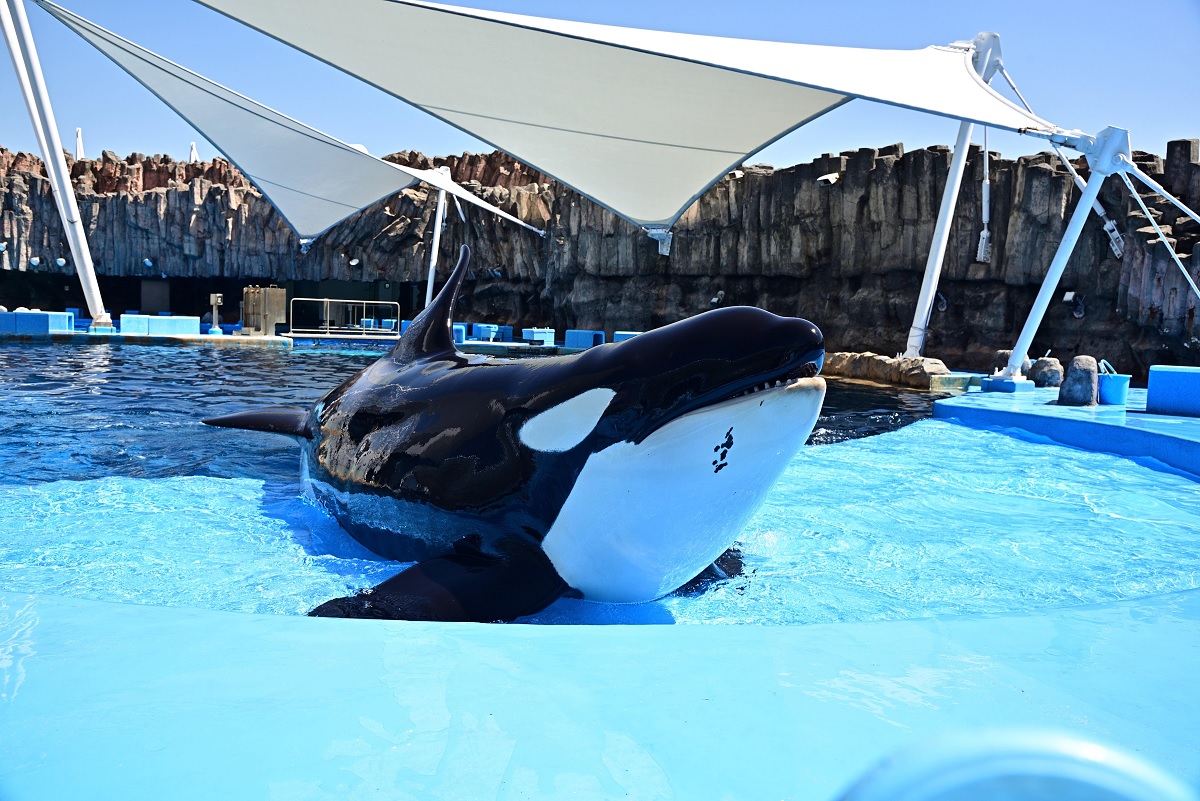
617	474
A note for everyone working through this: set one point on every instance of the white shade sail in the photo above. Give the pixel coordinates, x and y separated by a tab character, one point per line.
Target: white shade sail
642	122
313	180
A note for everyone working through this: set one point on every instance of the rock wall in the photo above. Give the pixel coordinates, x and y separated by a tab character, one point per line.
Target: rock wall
848	255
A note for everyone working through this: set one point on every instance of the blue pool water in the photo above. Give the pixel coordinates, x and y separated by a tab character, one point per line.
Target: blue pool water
111	489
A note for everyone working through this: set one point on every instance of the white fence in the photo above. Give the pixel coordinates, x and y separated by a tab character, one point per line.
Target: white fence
330	317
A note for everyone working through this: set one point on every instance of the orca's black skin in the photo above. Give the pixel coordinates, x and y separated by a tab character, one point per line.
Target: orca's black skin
439	430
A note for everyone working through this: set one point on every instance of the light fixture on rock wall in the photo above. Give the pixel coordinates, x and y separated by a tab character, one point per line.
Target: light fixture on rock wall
1079	309
148	262
60	262
35	262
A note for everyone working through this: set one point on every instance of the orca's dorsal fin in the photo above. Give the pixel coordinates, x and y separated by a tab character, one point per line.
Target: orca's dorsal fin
432	332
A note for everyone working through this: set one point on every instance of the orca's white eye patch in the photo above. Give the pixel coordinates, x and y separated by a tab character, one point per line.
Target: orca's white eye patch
565	425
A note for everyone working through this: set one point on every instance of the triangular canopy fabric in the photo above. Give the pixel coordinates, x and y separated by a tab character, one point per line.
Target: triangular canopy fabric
642	122
313	180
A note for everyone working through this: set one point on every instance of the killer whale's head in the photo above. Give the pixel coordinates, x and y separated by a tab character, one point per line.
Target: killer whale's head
633	464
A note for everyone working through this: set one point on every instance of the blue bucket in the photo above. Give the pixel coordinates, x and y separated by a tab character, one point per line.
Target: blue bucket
1113	387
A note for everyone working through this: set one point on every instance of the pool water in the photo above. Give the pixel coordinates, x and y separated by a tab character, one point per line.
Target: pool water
111	489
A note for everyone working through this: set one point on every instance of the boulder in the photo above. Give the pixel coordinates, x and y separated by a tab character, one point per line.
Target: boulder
908	372
1079	388
1046	372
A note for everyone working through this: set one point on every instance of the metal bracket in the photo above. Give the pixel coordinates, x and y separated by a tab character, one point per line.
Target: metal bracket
1115	241
661	235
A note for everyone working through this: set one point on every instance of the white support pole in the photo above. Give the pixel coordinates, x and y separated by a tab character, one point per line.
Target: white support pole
33	86
937	249
437	242
1111	145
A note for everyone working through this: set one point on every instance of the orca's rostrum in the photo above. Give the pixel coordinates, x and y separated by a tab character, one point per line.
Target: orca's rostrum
616	474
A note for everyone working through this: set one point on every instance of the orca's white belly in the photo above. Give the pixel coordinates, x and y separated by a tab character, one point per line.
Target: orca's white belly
645	518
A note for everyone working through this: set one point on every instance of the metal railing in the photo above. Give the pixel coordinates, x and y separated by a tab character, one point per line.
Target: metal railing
331	317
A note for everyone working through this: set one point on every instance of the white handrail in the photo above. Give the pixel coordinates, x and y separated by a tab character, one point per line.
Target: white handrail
329	306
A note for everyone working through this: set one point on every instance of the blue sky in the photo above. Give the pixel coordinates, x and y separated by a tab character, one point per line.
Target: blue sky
1085	66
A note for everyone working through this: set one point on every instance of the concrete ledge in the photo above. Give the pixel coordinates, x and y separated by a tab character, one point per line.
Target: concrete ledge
296	707
1120	430
906	372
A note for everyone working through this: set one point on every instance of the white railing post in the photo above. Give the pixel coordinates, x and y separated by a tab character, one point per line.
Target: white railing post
438	219
1104	159
986	59
37	100
937	249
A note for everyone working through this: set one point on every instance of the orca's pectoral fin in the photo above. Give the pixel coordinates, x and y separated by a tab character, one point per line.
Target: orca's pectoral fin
467	585
290	420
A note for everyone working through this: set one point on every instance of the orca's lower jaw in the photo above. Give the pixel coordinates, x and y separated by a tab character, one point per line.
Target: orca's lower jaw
645	517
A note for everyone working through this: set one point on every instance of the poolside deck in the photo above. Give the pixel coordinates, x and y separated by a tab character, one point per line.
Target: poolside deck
138	702
85	338
1157	439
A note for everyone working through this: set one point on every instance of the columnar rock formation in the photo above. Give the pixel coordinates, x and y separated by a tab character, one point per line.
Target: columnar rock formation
849	255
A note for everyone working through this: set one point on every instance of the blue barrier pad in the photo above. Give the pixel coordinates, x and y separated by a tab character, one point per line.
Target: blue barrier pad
1173	390
621	336
538	336
172	326
8	323
460	333
484	332
31	322
582	338
134	324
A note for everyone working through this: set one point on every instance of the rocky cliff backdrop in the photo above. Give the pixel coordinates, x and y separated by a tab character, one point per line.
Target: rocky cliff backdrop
848	255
